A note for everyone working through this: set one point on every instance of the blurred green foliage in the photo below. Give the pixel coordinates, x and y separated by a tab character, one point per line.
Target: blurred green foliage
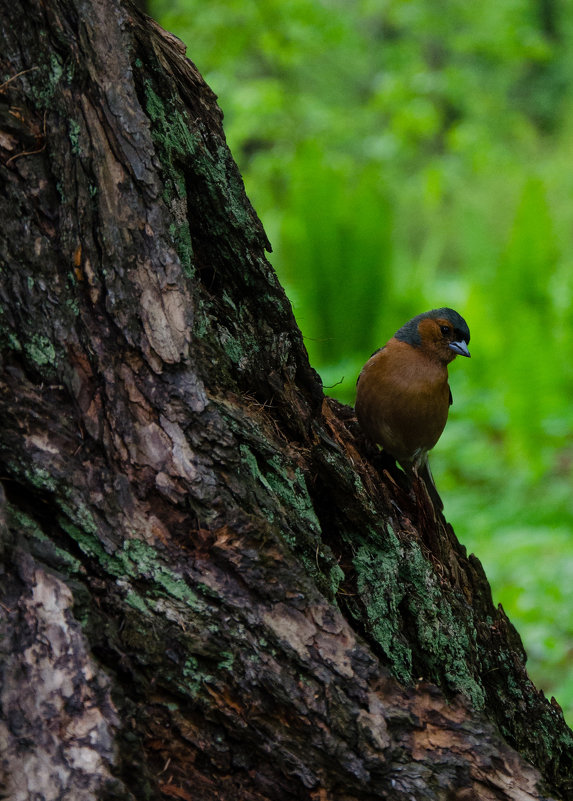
408	154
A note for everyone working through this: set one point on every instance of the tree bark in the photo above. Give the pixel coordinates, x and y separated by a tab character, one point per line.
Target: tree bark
211	587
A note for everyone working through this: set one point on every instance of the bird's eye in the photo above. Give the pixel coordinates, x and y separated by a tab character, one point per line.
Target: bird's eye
445	329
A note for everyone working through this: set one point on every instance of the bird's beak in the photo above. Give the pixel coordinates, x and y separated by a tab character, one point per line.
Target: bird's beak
460	348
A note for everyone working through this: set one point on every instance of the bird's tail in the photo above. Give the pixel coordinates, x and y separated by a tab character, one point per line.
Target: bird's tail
425	474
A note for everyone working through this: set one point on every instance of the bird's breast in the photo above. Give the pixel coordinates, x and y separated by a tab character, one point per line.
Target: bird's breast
402	400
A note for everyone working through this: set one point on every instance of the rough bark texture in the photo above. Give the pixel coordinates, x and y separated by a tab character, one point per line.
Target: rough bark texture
209	590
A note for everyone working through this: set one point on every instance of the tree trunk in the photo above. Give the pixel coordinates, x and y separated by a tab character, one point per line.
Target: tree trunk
210	590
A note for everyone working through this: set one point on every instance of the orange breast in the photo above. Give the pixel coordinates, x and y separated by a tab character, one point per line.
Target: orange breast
402	400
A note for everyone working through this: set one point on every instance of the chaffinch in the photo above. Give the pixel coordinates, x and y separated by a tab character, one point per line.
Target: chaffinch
403	396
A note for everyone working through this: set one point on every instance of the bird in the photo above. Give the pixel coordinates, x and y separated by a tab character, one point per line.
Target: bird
403	395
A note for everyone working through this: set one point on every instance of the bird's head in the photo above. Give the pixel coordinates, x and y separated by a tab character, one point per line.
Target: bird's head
441	333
